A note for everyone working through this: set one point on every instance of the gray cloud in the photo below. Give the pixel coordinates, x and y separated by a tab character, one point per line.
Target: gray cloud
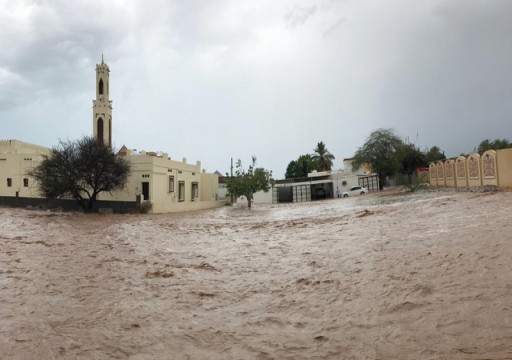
213	80
299	15
451	83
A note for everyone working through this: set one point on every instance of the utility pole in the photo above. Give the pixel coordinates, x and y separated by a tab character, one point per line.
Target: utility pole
231	177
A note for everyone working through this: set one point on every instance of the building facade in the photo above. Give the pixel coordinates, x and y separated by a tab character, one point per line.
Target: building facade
321	185
170	185
16	159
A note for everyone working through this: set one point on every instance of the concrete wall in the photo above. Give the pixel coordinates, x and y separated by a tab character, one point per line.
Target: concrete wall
16	159
489	168
461	172
432	171
210	186
504	166
492	168
449	172
259	197
118	207
343	182
440	173
474	170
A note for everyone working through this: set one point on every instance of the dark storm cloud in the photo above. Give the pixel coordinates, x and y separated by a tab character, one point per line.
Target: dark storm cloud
452	84
255	76
51	45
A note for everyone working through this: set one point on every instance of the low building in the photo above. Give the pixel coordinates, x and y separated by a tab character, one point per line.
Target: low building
171	186
16	159
319	185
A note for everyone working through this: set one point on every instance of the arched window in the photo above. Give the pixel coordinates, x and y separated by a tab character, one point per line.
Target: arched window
101	87
100	131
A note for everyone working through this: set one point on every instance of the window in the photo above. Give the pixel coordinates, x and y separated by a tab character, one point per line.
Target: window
195	191
25	182
101	87
171	183
9	182
181	191
99	128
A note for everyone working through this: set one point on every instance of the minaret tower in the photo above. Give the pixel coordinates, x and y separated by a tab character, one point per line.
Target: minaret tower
102	107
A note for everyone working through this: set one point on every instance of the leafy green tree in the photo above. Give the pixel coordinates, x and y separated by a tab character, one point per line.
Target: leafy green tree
80	169
380	152
300	167
246	183
484	146
291	170
323	157
410	158
434	154
494	145
501	144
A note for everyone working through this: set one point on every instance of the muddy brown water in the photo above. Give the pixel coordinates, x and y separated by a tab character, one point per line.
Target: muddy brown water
422	276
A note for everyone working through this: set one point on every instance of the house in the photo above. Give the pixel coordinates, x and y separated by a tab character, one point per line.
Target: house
319	185
16	159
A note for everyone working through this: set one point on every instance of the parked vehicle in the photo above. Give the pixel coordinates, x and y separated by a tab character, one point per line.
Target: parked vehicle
320	193
354	190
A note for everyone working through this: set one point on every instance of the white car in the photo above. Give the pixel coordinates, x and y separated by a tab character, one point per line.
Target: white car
354	190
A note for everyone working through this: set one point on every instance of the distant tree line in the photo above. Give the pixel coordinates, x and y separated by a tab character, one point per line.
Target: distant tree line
320	160
493	145
384	152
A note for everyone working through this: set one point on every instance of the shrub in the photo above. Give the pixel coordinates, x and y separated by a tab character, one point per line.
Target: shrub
413	183
145	207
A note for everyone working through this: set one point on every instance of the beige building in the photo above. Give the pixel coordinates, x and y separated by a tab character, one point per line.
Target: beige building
16	159
170	185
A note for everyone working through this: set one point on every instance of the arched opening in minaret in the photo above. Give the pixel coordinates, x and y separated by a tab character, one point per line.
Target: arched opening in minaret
101	87
99	128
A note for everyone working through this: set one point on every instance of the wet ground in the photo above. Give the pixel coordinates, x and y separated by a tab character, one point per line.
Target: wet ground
421	276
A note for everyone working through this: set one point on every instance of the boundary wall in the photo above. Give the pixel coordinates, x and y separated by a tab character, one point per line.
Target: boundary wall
492	168
118	207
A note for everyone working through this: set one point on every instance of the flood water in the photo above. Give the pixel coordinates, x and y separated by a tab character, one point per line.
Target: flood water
421	276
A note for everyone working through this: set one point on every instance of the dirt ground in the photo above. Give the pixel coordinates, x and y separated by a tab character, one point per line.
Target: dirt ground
403	276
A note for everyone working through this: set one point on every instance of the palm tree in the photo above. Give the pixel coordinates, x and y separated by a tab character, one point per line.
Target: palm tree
323	157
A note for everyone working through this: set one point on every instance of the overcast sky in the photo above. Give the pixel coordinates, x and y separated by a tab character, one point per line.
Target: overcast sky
210	80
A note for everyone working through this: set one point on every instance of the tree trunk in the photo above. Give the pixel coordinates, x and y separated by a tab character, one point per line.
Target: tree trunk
92	202
382	182
249	203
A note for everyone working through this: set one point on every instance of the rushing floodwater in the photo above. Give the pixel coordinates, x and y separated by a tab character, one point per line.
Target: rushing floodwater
423	276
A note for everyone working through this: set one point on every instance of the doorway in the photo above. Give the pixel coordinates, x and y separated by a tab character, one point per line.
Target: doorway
145	190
